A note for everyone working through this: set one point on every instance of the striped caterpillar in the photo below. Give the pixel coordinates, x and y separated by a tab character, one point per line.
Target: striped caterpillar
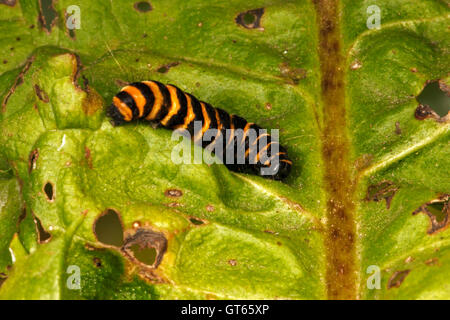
242	146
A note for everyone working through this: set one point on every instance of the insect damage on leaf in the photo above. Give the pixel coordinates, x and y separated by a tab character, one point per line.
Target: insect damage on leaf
145	239
250	19
18	81
397	279
426	112
438	210
173	193
383	190
41	94
292	75
143	6
165	68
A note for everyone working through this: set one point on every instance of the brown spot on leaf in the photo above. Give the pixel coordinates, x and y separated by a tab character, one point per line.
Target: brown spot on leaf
363	161
409	259
10	3
32	159
88	156
397	279
438	211
383	190
145	238
398	130
250	19
432	262
292	75
268	106
143	6
232	262
174	204
41	94
173	193
210	208
97	262
165	68
355	65
92	103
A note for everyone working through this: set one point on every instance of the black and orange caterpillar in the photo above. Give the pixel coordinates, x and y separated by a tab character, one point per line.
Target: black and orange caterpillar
173	108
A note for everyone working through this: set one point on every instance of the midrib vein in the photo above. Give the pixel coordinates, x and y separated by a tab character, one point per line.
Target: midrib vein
340	235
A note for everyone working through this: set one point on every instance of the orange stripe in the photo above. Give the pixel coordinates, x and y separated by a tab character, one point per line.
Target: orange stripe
124	110
219	128
174	108
247	126
271	158
265	147
158	99
260	136
138	97
232	130
190	116
207	122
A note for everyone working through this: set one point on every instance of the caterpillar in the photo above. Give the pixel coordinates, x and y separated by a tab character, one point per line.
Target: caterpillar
245	146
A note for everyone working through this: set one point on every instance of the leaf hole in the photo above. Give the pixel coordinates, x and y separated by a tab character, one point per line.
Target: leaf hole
32	159
438	210
434	101
47	15
250	19
108	228
43	235
49	191
196	221
143	6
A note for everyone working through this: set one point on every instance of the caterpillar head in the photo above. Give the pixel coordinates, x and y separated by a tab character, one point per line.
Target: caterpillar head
116	117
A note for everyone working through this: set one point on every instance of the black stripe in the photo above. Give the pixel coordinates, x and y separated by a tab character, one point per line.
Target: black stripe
167	101
197	109
212	124
126	98
148	95
178	118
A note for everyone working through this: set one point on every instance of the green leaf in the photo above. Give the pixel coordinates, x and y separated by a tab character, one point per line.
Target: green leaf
369	187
